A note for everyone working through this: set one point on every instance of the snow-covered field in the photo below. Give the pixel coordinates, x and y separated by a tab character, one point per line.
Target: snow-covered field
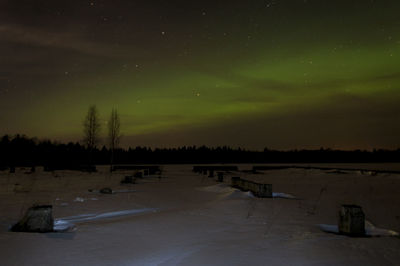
186	218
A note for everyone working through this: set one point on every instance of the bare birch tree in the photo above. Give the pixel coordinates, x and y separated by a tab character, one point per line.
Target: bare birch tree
113	133
91	130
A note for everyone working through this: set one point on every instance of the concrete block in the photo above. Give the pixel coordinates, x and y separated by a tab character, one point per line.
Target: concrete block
351	220
259	190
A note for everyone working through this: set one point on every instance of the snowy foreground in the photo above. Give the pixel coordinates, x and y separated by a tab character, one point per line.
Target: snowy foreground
186	218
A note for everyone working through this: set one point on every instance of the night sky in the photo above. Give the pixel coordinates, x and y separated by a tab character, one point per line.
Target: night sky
278	74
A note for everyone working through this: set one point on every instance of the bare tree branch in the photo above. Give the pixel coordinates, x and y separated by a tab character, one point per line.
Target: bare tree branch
91	128
113	132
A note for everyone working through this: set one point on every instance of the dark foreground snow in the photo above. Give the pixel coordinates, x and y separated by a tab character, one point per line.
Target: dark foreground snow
188	219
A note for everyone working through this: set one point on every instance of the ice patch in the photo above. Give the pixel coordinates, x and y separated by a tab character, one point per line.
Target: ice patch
63	226
282	195
98	216
237	194
370	230
68	223
79	199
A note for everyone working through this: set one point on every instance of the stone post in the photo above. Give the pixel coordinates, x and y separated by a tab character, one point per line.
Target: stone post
351	220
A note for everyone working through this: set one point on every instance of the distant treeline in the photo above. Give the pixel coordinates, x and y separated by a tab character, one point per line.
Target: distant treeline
23	151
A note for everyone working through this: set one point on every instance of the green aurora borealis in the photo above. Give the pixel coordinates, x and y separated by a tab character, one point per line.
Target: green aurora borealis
277	74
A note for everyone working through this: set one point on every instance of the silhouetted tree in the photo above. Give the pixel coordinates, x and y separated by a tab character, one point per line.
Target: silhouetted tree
113	133
19	150
91	130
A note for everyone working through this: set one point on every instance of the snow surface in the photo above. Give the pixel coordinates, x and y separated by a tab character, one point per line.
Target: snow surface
68	223
231	192
186	218
370	230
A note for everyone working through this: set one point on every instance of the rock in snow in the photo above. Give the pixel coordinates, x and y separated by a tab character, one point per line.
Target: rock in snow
38	218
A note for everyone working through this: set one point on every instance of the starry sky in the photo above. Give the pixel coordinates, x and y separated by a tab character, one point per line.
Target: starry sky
279	74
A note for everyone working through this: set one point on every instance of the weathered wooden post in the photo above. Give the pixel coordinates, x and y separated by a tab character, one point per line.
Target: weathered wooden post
220	176
38	218
351	220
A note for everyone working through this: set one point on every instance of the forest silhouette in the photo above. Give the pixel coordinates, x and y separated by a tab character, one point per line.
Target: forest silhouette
20	150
